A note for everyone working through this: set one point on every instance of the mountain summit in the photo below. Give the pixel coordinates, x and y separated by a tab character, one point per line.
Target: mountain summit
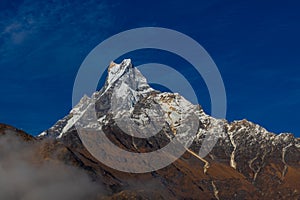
247	161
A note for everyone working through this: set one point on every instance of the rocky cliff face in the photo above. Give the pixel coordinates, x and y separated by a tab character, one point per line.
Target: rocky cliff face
247	162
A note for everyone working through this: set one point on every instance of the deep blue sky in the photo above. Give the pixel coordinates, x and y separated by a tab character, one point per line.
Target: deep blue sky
255	44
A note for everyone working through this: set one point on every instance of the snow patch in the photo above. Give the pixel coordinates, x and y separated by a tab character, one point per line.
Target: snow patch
233	164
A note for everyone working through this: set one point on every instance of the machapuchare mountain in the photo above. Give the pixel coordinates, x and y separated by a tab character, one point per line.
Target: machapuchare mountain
247	162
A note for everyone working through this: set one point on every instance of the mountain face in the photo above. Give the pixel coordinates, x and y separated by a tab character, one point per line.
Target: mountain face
247	161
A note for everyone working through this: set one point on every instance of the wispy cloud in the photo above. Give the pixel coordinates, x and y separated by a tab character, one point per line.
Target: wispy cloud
42	43
24	177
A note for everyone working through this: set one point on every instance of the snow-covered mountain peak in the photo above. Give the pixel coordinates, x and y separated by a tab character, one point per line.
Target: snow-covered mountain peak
138	118
115	71
127	103
123	79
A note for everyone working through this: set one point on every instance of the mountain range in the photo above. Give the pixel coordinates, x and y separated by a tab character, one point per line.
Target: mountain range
246	161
